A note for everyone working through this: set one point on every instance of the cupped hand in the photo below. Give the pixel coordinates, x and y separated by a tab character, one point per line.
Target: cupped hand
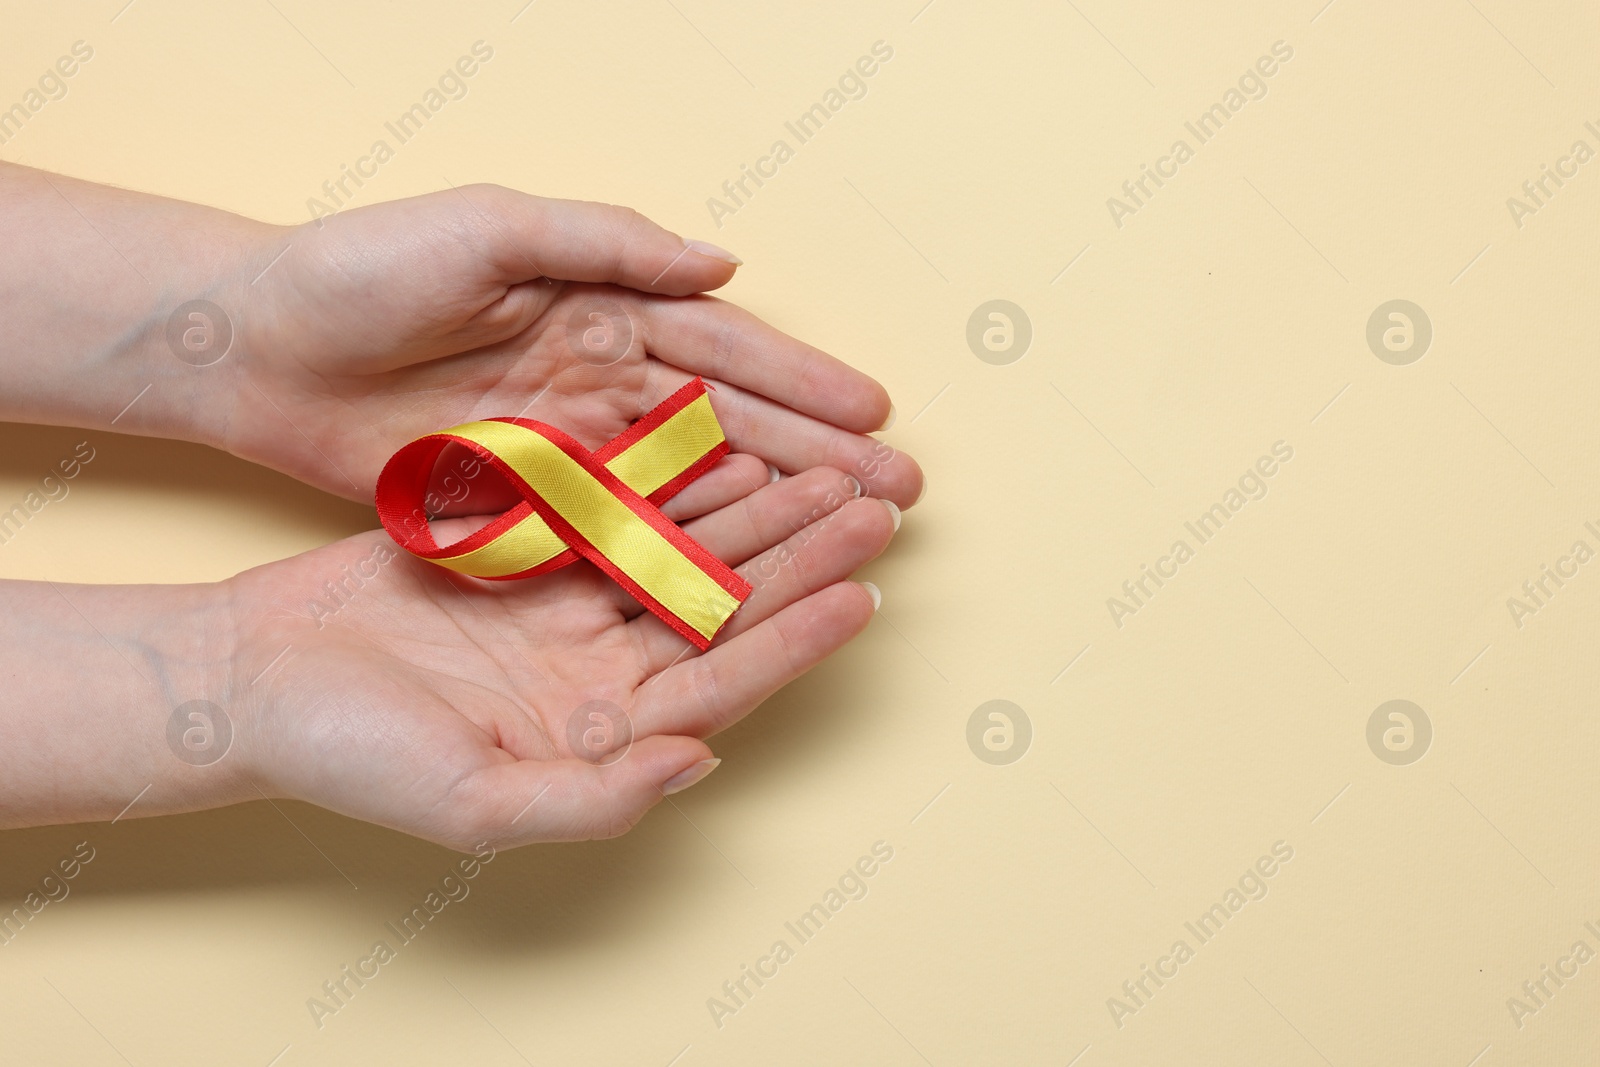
383	323
391	690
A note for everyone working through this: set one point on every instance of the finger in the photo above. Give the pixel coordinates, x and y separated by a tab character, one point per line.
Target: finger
701	696
720	340
576	240
520	802
793	442
767	517
823	553
734	477
773	513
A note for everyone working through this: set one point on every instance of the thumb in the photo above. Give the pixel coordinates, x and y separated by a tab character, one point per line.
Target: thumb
571	800
530	237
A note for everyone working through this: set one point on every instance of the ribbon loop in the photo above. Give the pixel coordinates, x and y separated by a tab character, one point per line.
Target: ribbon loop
602	506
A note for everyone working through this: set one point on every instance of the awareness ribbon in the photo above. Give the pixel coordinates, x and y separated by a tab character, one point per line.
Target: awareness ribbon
602	506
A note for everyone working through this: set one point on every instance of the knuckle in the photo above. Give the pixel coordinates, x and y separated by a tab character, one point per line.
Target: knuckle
830	493
754	528
803	561
707	689
617	822
786	649
635	236
631	225
723	346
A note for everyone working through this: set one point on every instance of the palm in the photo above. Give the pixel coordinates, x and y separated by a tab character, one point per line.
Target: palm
421	680
353	421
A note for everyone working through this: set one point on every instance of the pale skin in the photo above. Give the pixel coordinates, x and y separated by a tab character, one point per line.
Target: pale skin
427	702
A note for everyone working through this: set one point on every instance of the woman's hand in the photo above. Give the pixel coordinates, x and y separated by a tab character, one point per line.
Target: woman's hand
321	349
384	323
372	683
392	690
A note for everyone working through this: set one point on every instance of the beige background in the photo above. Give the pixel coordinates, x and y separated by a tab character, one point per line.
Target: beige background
1230	713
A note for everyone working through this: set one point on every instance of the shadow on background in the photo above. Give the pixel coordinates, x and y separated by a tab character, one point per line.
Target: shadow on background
153	472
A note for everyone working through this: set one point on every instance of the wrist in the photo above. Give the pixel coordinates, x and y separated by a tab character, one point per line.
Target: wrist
201	699
189	712
186	368
96	677
96	292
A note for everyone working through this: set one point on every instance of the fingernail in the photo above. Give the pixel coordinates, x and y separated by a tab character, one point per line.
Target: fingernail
772	474
894	512
706	248
685	778
854	486
888	422
923	491
875	593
